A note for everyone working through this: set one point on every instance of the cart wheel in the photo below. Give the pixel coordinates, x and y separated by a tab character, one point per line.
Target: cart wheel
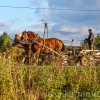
91	59
97	63
85	60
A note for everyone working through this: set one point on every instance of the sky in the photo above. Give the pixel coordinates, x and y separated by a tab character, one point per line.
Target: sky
67	19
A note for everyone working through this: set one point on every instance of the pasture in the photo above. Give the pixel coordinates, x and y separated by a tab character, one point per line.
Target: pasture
22	82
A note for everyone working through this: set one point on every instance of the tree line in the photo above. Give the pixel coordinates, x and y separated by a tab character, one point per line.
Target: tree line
5	42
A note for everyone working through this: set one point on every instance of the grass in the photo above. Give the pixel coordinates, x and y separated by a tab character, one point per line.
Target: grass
23	82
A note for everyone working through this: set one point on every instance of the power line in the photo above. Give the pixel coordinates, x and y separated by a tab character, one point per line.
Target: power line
19	7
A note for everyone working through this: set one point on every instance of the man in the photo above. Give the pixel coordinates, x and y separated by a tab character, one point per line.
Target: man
90	39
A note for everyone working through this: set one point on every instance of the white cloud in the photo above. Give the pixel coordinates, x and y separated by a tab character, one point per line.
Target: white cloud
46	11
4	26
34	2
68	29
72	32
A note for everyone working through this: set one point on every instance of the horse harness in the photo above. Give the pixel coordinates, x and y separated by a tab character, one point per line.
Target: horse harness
35	39
43	45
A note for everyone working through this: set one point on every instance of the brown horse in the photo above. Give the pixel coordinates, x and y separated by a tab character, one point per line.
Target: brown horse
27	52
42	45
17	41
53	43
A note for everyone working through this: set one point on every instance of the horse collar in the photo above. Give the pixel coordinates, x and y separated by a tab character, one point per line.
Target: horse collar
36	38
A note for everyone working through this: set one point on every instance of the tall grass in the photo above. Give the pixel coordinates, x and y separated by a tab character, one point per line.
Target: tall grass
23	82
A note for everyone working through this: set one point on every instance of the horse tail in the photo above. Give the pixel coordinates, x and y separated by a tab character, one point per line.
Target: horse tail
63	47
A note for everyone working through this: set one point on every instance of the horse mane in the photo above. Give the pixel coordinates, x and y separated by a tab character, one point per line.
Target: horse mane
31	35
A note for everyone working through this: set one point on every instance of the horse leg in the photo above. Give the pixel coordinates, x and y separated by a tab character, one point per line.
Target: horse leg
36	56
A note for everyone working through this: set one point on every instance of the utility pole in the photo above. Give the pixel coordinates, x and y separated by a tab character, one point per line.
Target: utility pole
45	29
72	42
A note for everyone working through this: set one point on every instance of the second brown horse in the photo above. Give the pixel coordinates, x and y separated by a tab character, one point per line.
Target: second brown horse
41	44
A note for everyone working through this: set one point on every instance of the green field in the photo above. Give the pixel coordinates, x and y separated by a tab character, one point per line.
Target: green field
23	82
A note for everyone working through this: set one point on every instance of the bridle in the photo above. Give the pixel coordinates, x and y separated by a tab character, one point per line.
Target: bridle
35	39
31	41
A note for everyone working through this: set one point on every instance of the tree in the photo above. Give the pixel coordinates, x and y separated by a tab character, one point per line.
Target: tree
5	42
84	44
96	43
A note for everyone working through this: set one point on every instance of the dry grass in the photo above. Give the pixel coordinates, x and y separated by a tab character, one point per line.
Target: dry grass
23	82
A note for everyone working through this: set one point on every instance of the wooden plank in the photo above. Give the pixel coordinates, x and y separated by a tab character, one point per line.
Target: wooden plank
91	50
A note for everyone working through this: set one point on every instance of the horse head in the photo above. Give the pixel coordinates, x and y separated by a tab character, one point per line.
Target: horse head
24	36
28	36
17	39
